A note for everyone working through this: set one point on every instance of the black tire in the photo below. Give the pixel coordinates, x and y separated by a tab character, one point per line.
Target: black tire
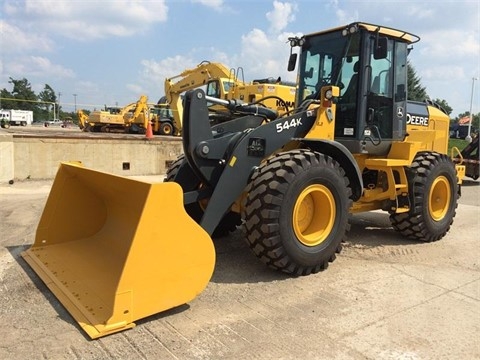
296	211
230	220
166	129
434	179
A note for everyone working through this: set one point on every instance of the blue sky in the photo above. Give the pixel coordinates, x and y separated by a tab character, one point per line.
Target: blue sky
112	51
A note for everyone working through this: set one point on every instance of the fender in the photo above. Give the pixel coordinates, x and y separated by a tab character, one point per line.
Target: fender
344	157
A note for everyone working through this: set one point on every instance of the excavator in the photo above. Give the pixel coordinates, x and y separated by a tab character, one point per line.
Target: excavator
83	123
133	118
114	119
353	143
224	83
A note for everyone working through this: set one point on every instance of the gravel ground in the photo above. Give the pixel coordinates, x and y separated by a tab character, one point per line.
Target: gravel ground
383	298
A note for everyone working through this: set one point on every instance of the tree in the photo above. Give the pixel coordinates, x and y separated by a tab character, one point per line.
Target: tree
22	90
22	97
444	105
5	103
48	96
416	91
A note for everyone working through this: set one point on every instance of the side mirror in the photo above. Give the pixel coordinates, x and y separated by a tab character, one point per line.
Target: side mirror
381	47
292	61
309	73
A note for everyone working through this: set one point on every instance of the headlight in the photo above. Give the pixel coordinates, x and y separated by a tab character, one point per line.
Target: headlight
352	29
328	94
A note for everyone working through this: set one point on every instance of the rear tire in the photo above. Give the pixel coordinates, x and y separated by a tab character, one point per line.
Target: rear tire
166	129
296	211
435	194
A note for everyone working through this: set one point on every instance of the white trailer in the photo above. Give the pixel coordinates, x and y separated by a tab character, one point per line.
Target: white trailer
15	117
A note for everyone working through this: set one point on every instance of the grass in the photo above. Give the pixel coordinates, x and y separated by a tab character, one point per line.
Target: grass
458	143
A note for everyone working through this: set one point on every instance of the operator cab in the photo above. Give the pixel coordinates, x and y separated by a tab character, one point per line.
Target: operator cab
369	65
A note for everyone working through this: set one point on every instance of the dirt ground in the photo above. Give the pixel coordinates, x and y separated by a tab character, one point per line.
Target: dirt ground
383	298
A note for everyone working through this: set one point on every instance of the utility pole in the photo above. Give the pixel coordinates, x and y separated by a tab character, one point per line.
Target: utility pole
469	137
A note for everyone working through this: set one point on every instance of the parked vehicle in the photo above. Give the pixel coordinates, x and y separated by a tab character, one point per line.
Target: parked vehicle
15	117
54	122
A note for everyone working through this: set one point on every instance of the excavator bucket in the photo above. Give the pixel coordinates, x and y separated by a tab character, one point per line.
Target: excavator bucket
114	250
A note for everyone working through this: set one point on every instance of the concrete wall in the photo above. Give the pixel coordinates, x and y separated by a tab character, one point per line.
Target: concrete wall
39	157
6	157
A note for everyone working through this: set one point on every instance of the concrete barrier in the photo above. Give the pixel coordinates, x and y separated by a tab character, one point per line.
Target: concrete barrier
6	157
37	157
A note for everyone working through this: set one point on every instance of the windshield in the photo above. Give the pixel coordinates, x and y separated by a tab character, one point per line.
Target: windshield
328	59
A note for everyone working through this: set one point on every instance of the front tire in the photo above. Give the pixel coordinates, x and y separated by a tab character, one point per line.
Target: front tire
296	211
435	196
230	220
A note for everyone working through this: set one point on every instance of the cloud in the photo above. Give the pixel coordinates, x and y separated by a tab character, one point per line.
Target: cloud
263	55
158	71
344	17
33	66
135	88
215	4
282	14
15	40
85	20
454	44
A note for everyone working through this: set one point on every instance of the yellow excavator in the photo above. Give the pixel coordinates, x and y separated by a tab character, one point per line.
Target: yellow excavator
133	118
83	123
224	83
114	119
352	144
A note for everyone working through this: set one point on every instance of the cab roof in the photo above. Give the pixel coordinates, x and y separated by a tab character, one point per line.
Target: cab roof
385	30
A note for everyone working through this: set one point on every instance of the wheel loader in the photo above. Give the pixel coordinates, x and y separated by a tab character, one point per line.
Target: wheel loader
353	144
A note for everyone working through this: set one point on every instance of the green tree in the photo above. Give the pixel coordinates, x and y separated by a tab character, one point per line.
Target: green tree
416	91
4	102
47	95
444	105
22	90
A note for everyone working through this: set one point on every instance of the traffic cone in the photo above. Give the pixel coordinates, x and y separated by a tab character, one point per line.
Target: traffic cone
149	134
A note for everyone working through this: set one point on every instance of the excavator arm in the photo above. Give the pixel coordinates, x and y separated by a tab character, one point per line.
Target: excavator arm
194	78
141	106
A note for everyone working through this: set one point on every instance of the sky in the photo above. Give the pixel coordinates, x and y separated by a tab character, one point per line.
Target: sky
109	52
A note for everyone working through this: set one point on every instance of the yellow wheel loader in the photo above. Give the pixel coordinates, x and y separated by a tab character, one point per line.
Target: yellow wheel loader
353	144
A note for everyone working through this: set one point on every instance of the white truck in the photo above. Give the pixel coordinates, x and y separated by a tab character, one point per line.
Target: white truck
15	117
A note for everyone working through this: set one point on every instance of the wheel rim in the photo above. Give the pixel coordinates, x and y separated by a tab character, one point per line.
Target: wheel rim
439	198
167	130
314	215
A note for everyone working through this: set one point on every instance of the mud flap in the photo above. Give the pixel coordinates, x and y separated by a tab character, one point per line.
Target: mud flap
114	250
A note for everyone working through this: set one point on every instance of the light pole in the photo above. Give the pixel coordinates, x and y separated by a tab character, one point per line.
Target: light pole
59	94
75	102
469	137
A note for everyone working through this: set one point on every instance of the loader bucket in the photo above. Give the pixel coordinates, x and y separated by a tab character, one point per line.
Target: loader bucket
114	250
